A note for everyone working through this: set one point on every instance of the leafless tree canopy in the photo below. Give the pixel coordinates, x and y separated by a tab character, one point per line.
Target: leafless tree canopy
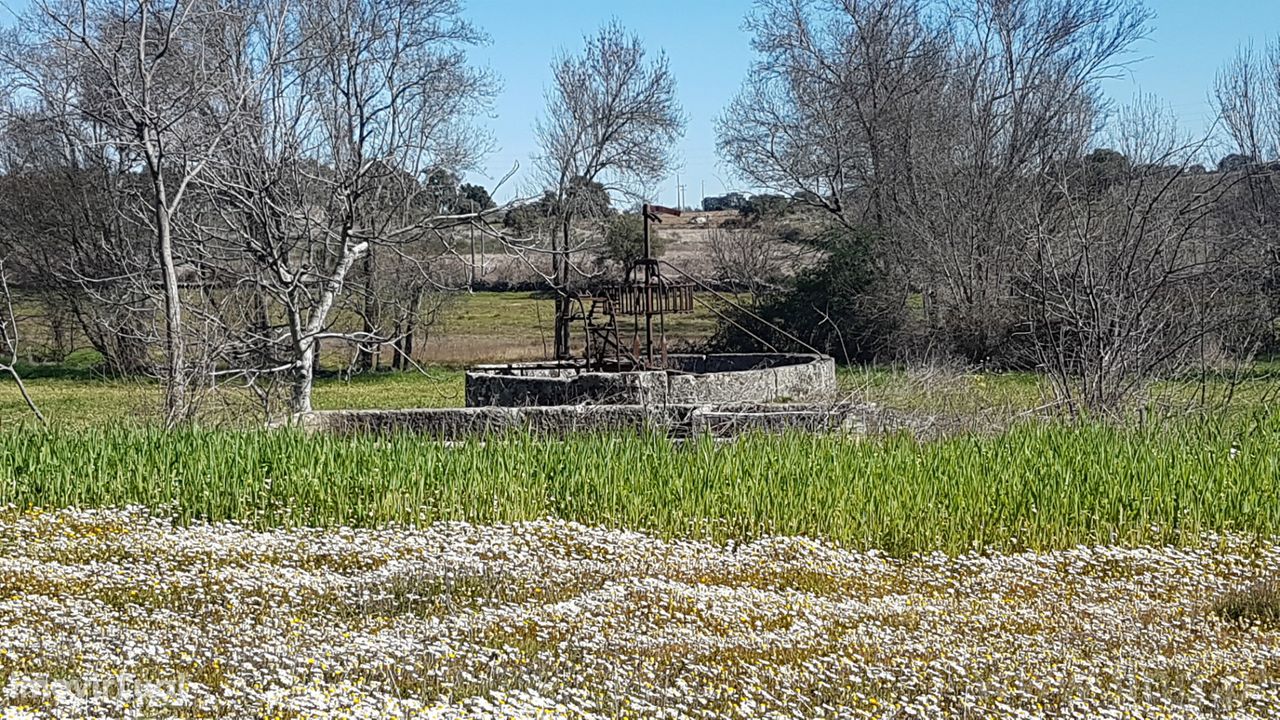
291	152
961	132
832	97
146	85
612	118
935	121
753	259
1247	94
1130	273
354	113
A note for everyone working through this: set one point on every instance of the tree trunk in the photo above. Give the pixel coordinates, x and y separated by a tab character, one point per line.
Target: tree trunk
368	351
175	391
561	259
303	378
404	348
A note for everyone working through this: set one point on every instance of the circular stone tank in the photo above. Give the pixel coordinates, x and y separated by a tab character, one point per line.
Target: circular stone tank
687	380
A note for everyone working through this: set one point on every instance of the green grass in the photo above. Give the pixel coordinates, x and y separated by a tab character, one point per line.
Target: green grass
521	313
509	326
436	387
945	391
1038	486
77	400
995	397
75	396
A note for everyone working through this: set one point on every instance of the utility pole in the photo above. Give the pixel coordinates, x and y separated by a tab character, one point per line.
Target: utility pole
648	280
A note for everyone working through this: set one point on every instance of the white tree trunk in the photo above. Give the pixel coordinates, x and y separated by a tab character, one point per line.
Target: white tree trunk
303	377
175	391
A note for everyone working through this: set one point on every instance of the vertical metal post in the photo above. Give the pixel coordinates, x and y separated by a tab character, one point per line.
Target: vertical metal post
648	290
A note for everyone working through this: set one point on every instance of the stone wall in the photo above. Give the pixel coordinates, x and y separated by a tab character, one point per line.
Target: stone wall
692	379
697	395
681	421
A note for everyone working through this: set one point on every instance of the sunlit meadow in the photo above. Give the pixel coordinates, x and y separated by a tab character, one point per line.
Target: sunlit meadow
1054	570
118	613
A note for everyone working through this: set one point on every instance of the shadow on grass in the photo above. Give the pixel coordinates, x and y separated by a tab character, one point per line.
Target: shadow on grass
1255	605
83	364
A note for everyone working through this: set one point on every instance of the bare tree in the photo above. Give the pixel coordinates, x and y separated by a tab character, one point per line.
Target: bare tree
1247	95
1025	98
9	344
751	258
151	74
830	106
70	231
935	123
612	118
1130	277
354	107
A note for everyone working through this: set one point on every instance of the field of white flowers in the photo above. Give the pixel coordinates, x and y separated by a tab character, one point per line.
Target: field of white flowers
120	614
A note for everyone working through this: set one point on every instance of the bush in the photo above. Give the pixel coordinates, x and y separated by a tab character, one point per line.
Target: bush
624	242
838	307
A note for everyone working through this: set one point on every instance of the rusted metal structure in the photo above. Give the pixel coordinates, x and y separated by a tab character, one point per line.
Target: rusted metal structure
642	301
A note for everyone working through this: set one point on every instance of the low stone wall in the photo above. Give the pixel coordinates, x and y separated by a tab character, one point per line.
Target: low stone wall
691	379
682	421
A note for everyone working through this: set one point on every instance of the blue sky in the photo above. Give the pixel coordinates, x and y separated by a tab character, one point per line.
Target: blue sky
704	41
710	55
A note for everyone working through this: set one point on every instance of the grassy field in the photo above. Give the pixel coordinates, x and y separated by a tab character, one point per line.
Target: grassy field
1005	479
1020	566
502	327
473	328
73	396
470	328
1038	486
82	400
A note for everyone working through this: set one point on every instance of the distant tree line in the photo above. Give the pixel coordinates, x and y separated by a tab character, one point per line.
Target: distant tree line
210	191
983	201
764	205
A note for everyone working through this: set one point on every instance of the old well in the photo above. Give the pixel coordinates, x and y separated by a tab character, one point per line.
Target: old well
750	379
614	371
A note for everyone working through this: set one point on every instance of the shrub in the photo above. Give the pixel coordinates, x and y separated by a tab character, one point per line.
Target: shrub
624	242
838	307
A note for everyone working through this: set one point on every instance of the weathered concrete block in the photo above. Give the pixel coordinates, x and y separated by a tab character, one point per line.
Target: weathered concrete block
681	420
689	379
719	422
